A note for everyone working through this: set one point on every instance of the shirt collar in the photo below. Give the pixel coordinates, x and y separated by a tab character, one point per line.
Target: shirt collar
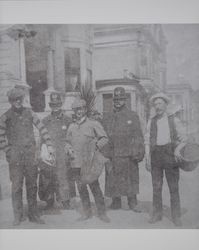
165	115
82	120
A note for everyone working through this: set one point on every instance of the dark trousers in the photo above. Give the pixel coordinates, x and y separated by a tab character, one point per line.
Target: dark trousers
84	195
21	166
162	160
132	201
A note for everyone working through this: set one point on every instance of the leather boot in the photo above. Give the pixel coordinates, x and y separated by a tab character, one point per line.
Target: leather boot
104	218
36	219
49	204
155	218
132	202
66	205
116	203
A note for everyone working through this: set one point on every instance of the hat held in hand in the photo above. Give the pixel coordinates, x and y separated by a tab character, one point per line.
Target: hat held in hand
46	157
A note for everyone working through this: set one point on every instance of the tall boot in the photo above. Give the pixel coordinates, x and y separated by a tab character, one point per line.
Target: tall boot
49	204
132	202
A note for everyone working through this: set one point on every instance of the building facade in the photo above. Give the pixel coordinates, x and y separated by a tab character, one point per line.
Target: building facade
46	58
182	95
135	53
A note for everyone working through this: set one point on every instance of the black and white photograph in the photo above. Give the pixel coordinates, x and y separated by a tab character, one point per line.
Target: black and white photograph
99	126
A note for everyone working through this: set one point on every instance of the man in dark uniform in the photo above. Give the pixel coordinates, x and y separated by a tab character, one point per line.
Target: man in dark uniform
57	124
125	149
18	142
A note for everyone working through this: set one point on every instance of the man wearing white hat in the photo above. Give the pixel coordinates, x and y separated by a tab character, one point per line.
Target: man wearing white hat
164	133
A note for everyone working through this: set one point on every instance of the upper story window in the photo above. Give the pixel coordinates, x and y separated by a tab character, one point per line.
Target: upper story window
72	69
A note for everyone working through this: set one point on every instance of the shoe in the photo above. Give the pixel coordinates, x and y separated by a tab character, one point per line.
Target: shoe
36	219
66	205
177	222
16	222
23	218
49	205
85	217
114	206
104	218
135	209
155	218
116	203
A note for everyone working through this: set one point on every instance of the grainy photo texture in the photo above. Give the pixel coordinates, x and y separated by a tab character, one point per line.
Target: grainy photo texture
99	126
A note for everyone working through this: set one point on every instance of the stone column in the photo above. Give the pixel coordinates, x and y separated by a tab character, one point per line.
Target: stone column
138	45
22	68
133	101
50	77
83	68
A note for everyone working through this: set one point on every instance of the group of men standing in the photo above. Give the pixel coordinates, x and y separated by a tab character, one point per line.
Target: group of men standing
85	143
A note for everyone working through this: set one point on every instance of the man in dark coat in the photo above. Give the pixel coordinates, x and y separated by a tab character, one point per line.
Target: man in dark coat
125	149
57	124
18	142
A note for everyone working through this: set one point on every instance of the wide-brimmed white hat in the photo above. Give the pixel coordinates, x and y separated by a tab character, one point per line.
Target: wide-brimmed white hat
160	95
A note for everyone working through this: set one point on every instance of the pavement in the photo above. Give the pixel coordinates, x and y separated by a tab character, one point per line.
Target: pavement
120	219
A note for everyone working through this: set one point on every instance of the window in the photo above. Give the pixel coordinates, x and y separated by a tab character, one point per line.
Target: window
72	69
178	99
38	83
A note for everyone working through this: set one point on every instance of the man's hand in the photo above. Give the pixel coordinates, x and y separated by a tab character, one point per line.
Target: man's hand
51	150
8	155
109	166
177	152
69	151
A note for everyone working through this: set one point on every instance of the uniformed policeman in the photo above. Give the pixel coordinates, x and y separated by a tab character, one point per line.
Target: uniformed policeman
18	142
125	149
57	124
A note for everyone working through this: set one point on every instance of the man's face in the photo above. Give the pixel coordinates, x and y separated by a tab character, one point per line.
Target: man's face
80	112
160	106
118	103
17	103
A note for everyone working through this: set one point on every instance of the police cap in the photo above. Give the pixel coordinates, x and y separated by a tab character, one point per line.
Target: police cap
119	93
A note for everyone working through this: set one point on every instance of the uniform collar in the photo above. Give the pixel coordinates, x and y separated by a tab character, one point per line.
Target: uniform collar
123	108
57	115
17	111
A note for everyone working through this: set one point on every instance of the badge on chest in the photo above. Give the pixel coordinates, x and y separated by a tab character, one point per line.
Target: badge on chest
64	127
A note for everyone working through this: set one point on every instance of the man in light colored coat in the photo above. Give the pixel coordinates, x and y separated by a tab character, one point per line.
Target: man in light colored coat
86	137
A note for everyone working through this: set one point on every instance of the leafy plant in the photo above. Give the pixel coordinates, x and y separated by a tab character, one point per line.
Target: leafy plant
87	93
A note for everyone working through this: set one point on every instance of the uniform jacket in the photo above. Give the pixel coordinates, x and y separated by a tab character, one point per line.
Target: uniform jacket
16	129
57	126
125	134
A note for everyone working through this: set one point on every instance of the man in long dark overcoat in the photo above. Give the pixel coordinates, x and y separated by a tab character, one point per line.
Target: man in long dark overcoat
125	149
